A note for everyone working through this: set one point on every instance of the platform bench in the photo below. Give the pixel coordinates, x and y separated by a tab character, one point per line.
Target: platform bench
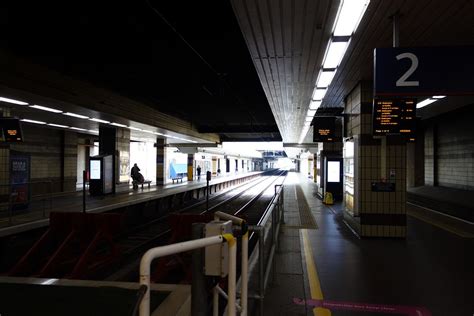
146	182
177	179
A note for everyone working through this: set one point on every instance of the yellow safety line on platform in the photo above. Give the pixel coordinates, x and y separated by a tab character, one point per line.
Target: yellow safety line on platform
314	284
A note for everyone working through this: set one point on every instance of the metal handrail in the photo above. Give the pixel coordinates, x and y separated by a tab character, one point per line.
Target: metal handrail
48	196
154	253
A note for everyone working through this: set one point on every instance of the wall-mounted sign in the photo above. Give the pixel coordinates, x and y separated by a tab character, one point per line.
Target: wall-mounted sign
394	117
404	71
327	129
10	130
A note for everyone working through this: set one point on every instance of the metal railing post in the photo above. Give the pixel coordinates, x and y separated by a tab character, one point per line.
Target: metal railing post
261	274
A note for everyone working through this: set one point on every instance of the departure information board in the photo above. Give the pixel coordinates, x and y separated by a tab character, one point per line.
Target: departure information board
394	117
327	129
10	130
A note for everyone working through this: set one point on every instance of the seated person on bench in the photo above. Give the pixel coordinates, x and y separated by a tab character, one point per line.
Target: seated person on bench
137	177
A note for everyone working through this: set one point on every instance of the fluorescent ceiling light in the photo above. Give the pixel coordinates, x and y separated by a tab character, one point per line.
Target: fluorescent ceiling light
314	105
311	112
349	16
425	103
93	131
99	120
45	108
33	121
319	94
193	141
325	78
13	101
78	129
147	131
118	124
76	115
135	128
309	119
58	125
439	96
334	54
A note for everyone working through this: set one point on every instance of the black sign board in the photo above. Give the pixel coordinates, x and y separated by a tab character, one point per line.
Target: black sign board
327	129
394	117
404	71
10	130
383	187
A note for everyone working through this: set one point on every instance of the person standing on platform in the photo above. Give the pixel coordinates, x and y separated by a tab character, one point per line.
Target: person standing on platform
199	172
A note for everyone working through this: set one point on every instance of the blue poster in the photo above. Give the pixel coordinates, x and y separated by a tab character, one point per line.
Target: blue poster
20	181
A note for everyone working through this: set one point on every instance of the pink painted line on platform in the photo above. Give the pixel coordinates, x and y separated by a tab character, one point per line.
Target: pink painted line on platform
364	307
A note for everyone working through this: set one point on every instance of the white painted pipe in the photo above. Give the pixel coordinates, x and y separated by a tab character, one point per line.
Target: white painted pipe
215	303
234	219
224	295
231	286
244	273
157	252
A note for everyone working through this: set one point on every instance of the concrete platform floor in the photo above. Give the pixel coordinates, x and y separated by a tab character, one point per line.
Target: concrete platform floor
431	268
38	215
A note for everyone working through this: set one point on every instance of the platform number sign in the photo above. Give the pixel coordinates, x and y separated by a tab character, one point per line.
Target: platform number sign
403	82
424	71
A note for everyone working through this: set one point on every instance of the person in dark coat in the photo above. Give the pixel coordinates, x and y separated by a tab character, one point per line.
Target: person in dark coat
135	173
199	172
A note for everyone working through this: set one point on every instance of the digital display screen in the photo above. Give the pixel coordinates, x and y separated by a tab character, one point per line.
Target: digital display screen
326	129
10	130
95	169
334	171
394	117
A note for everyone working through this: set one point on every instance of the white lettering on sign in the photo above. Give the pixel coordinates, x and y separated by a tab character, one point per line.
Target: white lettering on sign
402	82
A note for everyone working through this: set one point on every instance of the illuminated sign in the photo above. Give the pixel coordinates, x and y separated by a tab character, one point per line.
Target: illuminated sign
10	130
394	117
327	129
95	169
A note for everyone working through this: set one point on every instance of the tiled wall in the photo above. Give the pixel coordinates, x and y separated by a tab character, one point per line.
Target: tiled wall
453	165
47	149
429	154
381	214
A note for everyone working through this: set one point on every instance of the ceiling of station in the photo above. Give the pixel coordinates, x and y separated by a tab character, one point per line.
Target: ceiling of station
287	41
188	60
243	69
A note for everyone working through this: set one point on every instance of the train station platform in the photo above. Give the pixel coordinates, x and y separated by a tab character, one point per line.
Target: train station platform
324	268
454	202
72	202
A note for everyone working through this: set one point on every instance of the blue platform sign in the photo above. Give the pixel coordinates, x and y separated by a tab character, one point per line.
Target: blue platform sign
20	180
405	71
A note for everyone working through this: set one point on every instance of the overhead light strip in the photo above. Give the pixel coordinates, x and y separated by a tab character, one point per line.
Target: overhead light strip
45	108
13	101
349	15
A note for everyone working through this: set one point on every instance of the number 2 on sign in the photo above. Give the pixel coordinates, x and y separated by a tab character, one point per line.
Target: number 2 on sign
403	82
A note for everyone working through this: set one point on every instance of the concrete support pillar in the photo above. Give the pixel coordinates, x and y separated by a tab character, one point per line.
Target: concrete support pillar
4	162
315	167
122	156
214	166
190	167
116	142
68	172
161	161
374	213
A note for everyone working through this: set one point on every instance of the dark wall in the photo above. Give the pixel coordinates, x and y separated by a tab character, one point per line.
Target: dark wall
449	149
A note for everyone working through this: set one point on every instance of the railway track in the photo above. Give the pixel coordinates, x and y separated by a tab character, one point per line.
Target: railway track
249	200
